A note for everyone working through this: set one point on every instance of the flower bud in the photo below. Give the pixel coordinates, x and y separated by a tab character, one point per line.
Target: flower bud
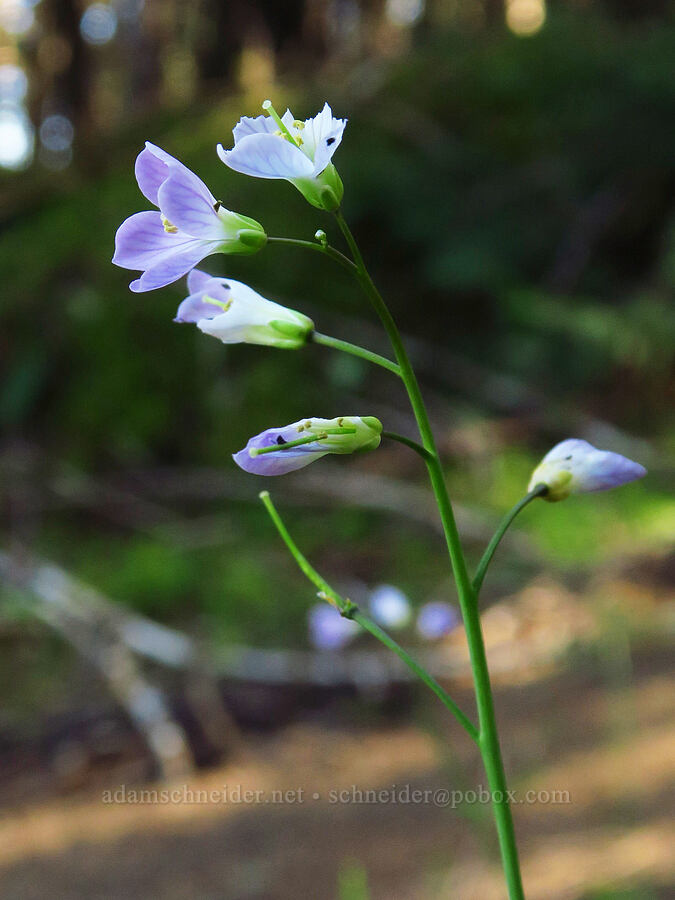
234	313
277	451
577	467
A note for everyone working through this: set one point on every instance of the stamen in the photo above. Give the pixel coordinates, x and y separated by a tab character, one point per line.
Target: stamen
273	114
223	304
169	227
309	439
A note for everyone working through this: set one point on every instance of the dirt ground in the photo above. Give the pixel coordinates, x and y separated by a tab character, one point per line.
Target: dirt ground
306	817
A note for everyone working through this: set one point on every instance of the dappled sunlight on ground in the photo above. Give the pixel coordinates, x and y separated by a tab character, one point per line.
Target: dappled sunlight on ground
611	833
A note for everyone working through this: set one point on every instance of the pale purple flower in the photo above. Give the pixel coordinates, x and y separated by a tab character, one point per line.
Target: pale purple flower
189	226
312	439
328	630
577	467
234	313
297	151
436	619
389	606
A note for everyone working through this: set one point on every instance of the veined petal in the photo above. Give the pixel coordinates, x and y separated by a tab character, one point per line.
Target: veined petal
321	138
174	264
248	318
256	125
198	280
197	307
606	469
275	463
142	240
150	173
152	168
266	156
259	125
281	462
189	205
243	323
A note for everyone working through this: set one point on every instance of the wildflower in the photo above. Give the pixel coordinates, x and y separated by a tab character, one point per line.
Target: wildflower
276	146
436	619
281	450
389	606
235	313
577	467
328	630
190	224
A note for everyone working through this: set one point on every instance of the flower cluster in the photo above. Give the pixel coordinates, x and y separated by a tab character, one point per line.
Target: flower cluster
189	223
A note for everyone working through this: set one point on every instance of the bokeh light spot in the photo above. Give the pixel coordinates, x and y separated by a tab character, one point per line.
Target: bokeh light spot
16	138
98	24
56	133
525	17
404	12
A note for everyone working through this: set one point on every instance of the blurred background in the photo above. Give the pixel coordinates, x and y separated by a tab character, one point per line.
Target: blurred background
509	169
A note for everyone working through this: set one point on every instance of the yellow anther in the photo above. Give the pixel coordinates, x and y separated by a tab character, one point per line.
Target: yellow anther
168	226
298	124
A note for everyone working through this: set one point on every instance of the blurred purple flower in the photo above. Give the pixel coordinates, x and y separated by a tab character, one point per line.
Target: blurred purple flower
190	225
328	630
313	438
577	467
234	313
436	619
389	606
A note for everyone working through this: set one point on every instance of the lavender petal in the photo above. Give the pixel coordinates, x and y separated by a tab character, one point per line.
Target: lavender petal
267	156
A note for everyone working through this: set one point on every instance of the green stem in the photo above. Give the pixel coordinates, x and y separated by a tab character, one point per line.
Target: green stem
326	249
504	525
421	673
307	570
402	439
350	611
488	740
355	350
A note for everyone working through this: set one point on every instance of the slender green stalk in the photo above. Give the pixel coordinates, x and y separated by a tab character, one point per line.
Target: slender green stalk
504	525
326	249
421	673
355	350
351	611
488	739
402	439
307	570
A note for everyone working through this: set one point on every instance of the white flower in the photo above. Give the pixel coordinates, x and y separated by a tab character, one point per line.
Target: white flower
577	467
234	313
284	147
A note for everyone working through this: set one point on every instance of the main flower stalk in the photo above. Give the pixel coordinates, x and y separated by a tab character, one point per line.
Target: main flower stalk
488	737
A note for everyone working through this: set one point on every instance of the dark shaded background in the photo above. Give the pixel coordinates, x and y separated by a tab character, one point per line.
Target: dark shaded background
509	171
